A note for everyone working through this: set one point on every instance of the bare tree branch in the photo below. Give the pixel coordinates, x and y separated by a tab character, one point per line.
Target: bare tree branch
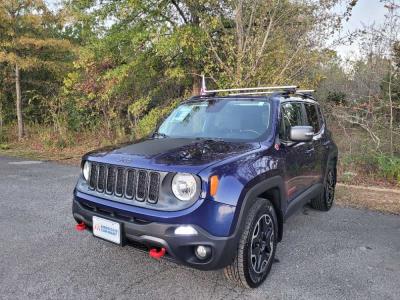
180	11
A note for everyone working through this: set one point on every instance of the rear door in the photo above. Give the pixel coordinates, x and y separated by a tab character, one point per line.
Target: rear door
314	119
299	157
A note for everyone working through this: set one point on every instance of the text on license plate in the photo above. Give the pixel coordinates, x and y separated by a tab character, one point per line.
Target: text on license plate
106	229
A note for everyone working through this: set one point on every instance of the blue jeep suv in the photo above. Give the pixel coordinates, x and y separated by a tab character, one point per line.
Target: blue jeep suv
213	185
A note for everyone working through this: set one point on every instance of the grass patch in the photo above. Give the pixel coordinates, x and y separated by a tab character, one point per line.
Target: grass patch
45	144
377	199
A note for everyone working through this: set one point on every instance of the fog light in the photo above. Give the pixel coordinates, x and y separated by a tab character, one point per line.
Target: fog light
202	252
185	230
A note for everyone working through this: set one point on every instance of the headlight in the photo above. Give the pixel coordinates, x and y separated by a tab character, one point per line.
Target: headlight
86	170
184	186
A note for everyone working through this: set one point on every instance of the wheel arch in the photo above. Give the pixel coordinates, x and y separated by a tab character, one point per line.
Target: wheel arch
274	196
271	189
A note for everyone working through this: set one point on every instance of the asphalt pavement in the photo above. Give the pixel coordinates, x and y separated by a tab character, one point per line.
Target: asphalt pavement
342	254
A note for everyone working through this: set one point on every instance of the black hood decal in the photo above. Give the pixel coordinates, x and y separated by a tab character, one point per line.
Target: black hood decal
204	151
174	151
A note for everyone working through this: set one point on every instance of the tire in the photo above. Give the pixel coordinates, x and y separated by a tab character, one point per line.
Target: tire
255	254
325	201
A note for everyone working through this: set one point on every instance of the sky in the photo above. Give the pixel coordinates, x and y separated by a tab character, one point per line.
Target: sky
366	12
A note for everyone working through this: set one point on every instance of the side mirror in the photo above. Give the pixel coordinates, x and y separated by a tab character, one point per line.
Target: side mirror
301	133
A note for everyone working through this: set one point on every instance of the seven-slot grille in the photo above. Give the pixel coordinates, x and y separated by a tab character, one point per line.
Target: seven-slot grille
129	183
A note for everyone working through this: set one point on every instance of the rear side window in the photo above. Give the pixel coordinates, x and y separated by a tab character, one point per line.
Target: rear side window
313	117
291	115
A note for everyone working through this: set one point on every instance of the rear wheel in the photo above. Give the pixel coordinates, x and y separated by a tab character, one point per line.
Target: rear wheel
325	201
257	246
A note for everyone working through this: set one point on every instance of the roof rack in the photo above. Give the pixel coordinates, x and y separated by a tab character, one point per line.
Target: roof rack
292	89
260	93
258	90
252	91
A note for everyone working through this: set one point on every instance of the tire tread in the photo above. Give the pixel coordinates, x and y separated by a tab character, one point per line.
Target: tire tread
235	271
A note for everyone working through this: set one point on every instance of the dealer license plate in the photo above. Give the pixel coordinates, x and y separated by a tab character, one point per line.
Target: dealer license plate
106	229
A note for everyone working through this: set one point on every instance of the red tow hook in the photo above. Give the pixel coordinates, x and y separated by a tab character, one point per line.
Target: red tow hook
80	226
157	254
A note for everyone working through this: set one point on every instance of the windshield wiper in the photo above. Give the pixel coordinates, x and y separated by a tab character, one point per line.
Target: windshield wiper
207	139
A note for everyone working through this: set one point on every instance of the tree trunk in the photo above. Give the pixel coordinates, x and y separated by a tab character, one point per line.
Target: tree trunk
391	110
19	104
196	87
1	117
194	10
239	42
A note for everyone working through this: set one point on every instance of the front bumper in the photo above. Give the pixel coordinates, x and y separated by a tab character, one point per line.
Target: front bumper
142	233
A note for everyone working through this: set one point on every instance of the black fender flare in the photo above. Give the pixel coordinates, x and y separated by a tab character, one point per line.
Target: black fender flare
332	156
252	193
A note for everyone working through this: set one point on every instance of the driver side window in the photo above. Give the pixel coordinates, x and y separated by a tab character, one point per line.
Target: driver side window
291	115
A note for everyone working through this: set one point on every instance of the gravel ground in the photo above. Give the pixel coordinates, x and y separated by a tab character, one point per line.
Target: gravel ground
342	254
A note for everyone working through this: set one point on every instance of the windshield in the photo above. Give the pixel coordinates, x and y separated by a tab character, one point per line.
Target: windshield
218	119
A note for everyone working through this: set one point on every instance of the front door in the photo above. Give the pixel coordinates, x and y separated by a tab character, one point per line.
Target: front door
299	156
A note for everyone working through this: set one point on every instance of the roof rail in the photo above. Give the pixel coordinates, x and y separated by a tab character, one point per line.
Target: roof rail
253	91
292	89
305	91
256	93
265	89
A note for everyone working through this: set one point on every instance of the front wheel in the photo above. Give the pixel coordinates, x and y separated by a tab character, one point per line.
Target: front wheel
256	248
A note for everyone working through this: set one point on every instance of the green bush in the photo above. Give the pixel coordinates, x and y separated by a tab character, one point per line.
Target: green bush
3	137
4	146
149	122
370	163
336	97
389	166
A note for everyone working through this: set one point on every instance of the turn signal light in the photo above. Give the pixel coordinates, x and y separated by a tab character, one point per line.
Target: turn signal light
214	181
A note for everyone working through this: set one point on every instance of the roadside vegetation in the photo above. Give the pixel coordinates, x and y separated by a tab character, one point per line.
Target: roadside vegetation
86	74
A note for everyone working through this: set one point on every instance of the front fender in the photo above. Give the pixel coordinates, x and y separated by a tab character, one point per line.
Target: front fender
244	179
271	188
237	175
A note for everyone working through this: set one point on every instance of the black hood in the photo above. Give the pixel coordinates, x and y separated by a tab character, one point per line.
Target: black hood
162	152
